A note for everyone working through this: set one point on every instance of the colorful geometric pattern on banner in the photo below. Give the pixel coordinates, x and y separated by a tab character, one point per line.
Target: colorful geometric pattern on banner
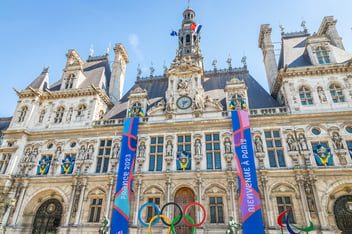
43	165
252	220
183	161
67	164
122	201
322	155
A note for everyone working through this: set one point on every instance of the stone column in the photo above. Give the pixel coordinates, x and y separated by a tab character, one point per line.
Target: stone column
168	184
269	210
80	203
72	199
231	183
306	213
108	201
139	184
199	183
323	222
19	203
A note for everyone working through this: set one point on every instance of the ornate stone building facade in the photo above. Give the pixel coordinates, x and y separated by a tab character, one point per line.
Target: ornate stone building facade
60	150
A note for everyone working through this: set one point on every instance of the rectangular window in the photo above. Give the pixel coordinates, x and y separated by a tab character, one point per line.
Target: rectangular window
349	147
156	153
151	212
103	156
184	143
216	210
275	149
4	162
283	204
95	210
212	147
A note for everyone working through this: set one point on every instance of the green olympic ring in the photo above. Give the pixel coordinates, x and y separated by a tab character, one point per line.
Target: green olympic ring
178	216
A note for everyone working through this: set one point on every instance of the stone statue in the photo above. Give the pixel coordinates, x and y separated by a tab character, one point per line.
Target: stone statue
169	148
227	145
258	144
141	150
197	147
321	95
105	226
302	142
233	227
57	153
82	152
90	152
171	104
34	155
336	138
292	143
115	151
27	156
198	102
182	84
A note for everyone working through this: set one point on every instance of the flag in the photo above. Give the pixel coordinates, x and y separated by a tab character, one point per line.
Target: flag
173	33
196	28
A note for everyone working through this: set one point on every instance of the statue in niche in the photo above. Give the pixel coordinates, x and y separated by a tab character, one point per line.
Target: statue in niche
115	151
57	153
169	148
198	102
302	142
227	144
82	152
258	144
336	138
182	84
321	95
310	197
34	155
90	152
292	143
27	156
141	150
197	147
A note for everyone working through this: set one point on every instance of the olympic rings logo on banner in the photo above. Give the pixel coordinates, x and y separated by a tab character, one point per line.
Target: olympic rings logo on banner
155	219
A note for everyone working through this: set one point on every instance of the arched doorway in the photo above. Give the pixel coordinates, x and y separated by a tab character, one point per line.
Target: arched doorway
48	217
343	213
183	197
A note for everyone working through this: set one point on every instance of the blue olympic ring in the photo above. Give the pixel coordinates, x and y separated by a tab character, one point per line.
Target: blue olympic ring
157	210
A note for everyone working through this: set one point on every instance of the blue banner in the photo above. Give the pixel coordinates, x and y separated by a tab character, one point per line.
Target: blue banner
122	201
252	220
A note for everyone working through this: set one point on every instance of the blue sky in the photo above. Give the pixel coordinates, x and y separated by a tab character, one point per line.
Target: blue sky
39	33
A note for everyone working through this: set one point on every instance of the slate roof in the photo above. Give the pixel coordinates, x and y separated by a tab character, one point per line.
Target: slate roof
213	84
38	82
4	123
95	69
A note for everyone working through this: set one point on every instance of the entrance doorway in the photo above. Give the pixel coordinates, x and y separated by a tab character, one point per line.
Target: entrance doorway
343	213
183	197
48	217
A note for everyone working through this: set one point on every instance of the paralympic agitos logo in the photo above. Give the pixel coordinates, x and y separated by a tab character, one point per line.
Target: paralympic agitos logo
288	225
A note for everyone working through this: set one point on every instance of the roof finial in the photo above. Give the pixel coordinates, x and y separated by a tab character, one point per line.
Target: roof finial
282	29
108	48
188	3
91	50
152	70
303	25
214	64
229	60
139	71
244	61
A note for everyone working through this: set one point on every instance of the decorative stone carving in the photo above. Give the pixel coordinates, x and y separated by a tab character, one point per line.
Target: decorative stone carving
141	150
169	148
116	151
57	153
292	143
258	144
227	145
302	142
321	95
171	106
197	147
337	140
198	102
294	156
182	84
210	102
82	152
260	156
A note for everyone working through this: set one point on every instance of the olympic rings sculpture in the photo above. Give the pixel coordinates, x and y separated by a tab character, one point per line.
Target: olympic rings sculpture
155	219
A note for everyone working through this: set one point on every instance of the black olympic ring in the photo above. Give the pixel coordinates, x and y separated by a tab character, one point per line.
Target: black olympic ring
172	203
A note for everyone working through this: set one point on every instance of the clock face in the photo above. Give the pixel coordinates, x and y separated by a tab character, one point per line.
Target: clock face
184	102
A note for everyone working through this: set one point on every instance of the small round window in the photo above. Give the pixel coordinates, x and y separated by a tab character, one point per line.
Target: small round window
349	129
50	145
316	131
73	144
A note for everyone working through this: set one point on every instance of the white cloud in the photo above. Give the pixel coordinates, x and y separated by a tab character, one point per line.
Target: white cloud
134	42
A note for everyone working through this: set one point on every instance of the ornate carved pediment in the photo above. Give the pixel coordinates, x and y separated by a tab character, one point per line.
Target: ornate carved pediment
184	66
74	60
235	84
283	189
153	191
215	189
213	103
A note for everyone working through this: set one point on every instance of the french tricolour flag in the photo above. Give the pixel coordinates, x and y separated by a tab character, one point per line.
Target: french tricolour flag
196	28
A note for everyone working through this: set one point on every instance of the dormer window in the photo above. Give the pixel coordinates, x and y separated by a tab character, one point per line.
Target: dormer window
322	55
336	93
69	81
23	113
305	96
81	112
59	114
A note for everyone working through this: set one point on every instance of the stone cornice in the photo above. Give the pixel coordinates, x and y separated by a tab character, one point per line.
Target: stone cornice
300	72
61	94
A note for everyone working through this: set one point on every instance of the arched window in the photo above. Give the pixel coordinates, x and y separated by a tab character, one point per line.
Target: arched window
81	112
343	213
336	93
188	39
48	217
305	96
69	81
322	55
59	114
23	113
41	116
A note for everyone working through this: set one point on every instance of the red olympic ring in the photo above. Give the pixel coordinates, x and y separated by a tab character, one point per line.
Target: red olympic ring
159	214
184	213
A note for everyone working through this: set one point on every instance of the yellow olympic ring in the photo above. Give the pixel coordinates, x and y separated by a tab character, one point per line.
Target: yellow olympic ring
163	217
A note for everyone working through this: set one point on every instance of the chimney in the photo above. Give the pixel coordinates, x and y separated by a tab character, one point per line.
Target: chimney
328	29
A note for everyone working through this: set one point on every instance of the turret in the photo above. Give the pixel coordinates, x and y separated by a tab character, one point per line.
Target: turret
267	47
328	29
118	73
